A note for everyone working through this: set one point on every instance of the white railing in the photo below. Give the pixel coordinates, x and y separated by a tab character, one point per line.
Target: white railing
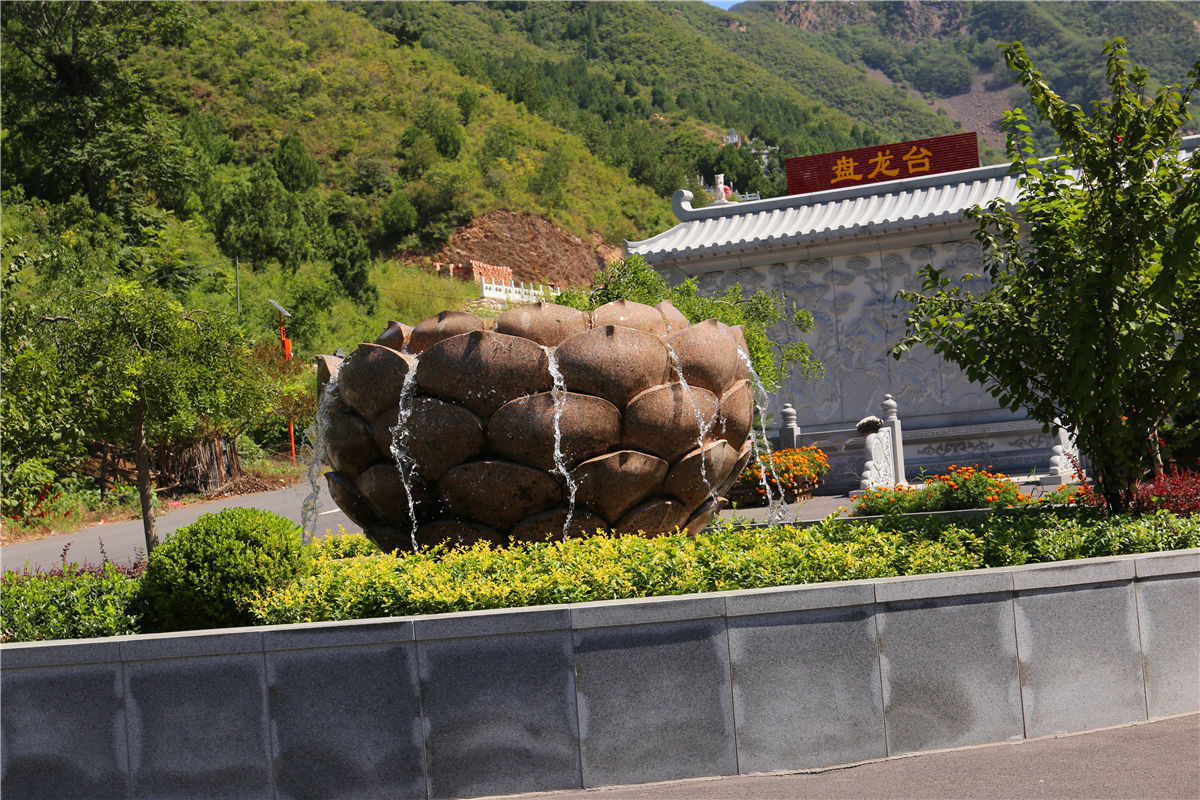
511	290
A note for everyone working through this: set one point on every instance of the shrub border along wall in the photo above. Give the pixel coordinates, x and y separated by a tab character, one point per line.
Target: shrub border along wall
611	692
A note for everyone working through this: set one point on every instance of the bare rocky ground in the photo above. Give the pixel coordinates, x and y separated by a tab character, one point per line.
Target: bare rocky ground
536	249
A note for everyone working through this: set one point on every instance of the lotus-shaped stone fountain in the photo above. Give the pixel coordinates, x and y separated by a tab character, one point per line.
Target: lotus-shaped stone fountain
551	421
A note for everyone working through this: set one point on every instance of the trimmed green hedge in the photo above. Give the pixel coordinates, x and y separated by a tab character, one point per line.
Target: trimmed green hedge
72	606
607	567
206	574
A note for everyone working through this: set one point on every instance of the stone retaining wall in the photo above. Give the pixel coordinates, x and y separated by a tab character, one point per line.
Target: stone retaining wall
604	693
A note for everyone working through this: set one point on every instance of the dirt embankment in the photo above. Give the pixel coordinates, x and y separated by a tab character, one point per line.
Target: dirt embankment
537	250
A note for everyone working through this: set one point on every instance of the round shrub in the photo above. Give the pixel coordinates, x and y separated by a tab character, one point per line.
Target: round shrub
205	575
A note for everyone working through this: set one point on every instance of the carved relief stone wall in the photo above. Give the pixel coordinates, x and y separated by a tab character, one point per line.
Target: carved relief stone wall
857	321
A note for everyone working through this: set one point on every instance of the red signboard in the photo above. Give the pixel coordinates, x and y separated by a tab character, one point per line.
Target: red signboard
888	162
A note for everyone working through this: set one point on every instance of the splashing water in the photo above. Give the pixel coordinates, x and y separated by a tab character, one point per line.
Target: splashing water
559	393
776	507
400	454
704	426
316	435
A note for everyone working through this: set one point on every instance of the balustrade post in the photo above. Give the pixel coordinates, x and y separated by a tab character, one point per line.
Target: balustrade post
891	418
789	431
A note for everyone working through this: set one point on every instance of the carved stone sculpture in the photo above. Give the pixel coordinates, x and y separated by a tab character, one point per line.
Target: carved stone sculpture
549	422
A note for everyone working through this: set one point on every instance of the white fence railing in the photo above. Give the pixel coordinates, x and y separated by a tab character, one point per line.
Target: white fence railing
519	292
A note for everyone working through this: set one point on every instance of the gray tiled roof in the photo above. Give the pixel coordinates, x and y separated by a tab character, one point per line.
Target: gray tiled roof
796	220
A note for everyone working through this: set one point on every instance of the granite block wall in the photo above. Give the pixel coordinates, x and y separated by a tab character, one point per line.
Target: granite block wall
594	694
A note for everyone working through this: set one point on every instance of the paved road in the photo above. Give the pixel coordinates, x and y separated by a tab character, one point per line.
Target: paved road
123	540
1150	761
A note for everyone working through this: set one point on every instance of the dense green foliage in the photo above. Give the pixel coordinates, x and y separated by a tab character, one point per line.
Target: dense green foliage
68	606
1092	314
758	313
725	558
647	85
207	573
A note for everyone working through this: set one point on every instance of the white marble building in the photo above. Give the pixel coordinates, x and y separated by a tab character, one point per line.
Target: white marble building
843	254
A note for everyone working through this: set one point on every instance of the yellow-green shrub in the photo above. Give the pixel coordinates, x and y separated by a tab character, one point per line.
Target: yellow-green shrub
603	567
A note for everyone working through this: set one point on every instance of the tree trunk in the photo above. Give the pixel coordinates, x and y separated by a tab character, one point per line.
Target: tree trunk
145	483
104	471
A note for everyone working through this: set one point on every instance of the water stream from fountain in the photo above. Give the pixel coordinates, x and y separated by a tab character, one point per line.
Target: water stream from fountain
399	448
776	508
316	434
704	426
559	393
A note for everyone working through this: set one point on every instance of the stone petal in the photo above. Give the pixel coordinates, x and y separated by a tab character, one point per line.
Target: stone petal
629	314
743	458
345	494
372	378
388	538
395	335
689	484
549	525
662	420
383	489
738	334
612	484
676	321
523	430
328	368
441	326
439	435
349	445
483	370
735	414
704	516
654	517
613	362
497	493
707	355
544	323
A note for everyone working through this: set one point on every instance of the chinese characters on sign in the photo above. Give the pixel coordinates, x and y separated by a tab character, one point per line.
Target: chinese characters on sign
883	163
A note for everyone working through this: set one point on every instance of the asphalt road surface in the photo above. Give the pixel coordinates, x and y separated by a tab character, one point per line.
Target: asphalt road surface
123	540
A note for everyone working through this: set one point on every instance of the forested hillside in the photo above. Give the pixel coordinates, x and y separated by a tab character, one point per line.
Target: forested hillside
943	51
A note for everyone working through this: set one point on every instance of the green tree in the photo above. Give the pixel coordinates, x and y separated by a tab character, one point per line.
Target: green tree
398	217
78	120
136	366
294	167
261	221
550	179
441	123
1092	314
351	263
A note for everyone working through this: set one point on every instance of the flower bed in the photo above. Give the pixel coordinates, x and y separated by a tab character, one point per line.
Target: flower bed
792	473
960	488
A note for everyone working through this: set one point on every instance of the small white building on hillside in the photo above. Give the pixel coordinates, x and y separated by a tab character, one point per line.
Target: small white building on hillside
842	254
